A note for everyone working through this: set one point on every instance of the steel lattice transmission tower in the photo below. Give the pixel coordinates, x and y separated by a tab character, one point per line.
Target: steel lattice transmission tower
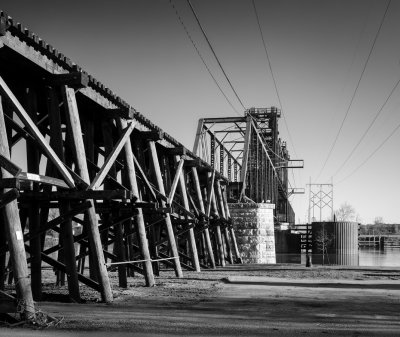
320	198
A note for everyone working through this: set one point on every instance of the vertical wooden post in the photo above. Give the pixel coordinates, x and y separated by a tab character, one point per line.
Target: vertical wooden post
141	228
15	235
66	232
88	129
201	204
192	239
160	186
107	128
220	245
225	229
33	160
2	256
74	126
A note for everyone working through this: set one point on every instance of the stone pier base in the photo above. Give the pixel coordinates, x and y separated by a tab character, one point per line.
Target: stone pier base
254	229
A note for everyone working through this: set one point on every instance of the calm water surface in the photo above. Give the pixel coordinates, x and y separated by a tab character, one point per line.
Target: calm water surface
388	257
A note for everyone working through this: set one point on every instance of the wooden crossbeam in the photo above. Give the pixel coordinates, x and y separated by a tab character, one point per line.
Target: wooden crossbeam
9	166
24	117
76	80
75	195
109	162
42	179
8	303
61	267
8	197
15	183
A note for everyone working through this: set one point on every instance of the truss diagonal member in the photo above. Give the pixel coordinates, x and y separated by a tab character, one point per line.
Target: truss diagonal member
144	178
30	125
176	180
108	163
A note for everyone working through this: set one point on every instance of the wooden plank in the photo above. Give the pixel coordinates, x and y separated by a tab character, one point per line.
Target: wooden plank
98	180
24	117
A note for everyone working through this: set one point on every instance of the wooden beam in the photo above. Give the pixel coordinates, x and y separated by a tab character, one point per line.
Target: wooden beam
201	204
170	231
9	196
76	80
37	178
191	239
9	166
144	178
141	229
112	156
24	117
74	126
14	233
75	195
176	180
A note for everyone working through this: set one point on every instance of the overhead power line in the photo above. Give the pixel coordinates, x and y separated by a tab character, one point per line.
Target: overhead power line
372	154
369	127
215	55
201	56
274	80
356	89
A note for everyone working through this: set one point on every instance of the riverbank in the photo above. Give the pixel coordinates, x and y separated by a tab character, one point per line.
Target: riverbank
251	300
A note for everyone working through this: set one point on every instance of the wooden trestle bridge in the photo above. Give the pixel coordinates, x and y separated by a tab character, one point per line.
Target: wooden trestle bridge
144	201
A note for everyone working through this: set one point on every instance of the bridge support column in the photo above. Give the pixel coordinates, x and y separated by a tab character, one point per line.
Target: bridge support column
254	229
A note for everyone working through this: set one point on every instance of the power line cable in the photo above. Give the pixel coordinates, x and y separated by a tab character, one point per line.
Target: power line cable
201	57
369	127
273	75
356	89
215	55
371	155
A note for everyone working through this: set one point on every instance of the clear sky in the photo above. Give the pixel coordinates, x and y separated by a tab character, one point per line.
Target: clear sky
317	48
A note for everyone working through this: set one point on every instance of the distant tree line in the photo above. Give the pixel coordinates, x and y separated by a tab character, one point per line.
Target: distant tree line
380	229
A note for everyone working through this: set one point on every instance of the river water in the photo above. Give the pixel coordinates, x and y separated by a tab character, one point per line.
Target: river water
373	257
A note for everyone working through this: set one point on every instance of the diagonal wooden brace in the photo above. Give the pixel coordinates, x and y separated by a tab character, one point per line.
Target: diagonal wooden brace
108	163
24	117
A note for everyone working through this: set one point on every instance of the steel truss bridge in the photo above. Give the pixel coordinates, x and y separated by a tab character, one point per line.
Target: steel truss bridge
248	151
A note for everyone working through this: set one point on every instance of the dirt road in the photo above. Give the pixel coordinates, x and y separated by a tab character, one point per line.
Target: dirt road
240	304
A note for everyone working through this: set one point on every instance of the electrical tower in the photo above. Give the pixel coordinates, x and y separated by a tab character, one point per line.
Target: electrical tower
320	198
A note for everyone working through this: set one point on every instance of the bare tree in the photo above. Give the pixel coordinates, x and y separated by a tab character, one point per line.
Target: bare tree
346	212
378	220
324	241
